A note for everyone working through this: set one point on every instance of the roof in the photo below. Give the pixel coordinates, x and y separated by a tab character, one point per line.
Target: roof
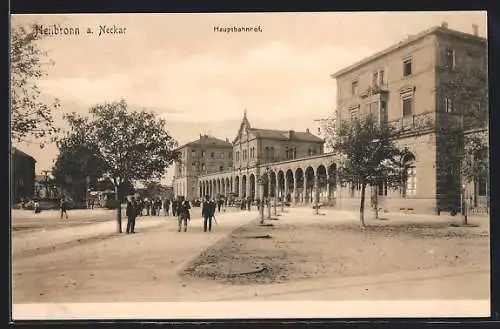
405	43
206	140
286	135
17	151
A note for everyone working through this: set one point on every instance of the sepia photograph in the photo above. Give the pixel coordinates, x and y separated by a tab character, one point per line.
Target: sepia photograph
249	165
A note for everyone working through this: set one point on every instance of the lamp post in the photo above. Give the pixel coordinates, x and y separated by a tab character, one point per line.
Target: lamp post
316	194
268	193
261	202
275	195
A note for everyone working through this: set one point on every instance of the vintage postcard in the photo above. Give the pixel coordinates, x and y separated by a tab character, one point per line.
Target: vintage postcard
250	165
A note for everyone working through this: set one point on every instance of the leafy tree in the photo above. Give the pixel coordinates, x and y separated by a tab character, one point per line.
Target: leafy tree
132	145
30	117
460	125
76	169
368	156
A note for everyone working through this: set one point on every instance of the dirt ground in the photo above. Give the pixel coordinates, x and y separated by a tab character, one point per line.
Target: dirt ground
281	252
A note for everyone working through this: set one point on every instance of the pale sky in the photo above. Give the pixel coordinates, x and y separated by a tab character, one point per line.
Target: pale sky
201	81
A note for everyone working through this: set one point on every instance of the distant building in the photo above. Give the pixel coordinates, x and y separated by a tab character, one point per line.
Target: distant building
206	155
23	175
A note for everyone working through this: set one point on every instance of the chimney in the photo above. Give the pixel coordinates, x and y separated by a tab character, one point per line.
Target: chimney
475	30
307	130
444	25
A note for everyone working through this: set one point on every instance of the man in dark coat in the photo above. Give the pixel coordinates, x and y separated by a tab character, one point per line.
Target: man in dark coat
131	213
64	208
174	207
207	213
166	207
184	214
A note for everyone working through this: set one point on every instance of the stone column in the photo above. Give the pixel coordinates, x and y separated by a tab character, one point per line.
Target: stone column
295	195
305	193
285	192
240	187
328	189
316	192
248	187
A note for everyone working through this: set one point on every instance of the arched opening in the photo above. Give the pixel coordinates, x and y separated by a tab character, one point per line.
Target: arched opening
265	185
409	184
290	188
299	178
281	184
322	183
237	185
253	196
272	177
244	186
332	183
309	179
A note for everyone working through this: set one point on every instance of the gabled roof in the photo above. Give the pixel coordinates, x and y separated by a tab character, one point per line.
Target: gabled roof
291	135
206	140
406	42
17	151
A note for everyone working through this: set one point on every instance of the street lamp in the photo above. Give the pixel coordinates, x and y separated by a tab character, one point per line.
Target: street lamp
268	199
260	181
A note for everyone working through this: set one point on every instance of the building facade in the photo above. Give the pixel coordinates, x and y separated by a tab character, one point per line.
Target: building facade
407	86
206	155
23	175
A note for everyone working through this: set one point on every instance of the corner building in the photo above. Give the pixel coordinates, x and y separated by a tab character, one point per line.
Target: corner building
403	86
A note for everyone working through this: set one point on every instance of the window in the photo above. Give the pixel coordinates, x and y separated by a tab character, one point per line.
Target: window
203	153
313	152
374	110
193	153
382	188
221	168
383	113
193	165
237	156
407	106
222	155
448	104
309	152
410	187
203	168
212	155
382	76
354	112
354	87
375	78
450	59
272	152
407	67
481	186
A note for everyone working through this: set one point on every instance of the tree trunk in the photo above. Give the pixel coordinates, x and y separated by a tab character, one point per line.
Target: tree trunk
362	205
118	211
375	198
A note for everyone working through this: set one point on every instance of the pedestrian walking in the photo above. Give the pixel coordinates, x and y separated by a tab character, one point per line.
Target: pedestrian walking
131	213
184	214
166	206
219	204
207	211
64	208
174	207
